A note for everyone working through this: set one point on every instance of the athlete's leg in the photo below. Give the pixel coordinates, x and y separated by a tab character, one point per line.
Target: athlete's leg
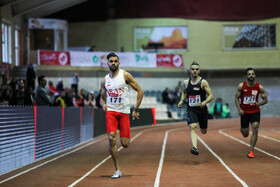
193	135
254	137
245	132
113	149
203	121
111	128
245	125
124	130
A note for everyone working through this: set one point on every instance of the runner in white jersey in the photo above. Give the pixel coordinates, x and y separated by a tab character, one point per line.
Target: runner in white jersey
115	91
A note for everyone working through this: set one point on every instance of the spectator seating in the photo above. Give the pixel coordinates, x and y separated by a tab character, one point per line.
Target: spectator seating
152	99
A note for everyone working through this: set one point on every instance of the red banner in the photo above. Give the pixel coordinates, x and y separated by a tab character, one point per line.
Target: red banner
60	58
170	60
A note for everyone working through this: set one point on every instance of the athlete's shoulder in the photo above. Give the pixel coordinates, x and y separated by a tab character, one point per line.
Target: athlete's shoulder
241	84
186	82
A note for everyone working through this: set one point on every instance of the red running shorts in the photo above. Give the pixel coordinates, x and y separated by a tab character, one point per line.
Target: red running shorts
115	119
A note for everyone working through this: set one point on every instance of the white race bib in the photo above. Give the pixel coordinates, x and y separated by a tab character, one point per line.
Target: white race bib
249	100
194	100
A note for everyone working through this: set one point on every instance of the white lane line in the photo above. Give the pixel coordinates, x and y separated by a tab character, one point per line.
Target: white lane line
223	163
269	138
157	181
225	134
44	163
100	163
161	160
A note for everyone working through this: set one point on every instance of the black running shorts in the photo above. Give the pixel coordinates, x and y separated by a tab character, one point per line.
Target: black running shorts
250	118
198	115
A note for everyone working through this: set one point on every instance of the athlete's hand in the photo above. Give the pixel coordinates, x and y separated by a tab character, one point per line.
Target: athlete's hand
104	107
180	104
241	112
203	104
257	104
135	115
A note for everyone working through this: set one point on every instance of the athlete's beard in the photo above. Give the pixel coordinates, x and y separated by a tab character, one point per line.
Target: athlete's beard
113	68
251	79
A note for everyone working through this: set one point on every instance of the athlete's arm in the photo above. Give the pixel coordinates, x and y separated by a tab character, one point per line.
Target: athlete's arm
237	96
135	86
263	96
103	95
205	86
184	94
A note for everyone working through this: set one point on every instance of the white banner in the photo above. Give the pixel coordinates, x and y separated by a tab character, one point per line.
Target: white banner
99	59
88	59
144	60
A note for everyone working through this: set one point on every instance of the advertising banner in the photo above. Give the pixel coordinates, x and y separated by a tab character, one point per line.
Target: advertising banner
85	59
170	60
144	60
249	36
61	58
169	37
35	23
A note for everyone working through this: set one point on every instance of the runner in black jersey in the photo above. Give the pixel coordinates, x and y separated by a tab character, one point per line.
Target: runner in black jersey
195	90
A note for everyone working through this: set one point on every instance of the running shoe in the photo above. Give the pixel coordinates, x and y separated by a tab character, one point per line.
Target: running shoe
194	151
250	154
117	174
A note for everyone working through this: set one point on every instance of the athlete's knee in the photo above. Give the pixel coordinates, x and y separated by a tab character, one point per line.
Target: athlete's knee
255	128
245	132
193	126
112	139
125	145
125	142
203	131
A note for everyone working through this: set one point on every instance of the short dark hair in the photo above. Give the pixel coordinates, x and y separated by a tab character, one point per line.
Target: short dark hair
40	78
194	63
248	69
111	55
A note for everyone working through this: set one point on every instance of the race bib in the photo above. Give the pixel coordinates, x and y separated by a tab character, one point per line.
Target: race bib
115	97
194	100
115	100
249	100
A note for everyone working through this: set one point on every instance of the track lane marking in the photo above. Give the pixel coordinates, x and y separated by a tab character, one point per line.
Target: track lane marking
46	162
157	181
242	142
269	138
223	163
104	160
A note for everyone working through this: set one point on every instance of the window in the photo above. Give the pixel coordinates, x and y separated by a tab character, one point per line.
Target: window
6	43
17	49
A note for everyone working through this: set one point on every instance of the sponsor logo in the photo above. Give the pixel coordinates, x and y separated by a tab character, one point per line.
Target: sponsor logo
95	59
49	57
140	58
196	88
63	59
177	60
164	59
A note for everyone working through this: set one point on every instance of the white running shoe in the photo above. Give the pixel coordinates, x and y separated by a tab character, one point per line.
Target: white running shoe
117	174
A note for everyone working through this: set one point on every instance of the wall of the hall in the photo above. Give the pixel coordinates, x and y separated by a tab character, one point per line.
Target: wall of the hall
205	41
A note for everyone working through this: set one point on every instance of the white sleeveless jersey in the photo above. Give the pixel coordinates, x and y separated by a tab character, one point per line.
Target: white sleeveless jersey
117	93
